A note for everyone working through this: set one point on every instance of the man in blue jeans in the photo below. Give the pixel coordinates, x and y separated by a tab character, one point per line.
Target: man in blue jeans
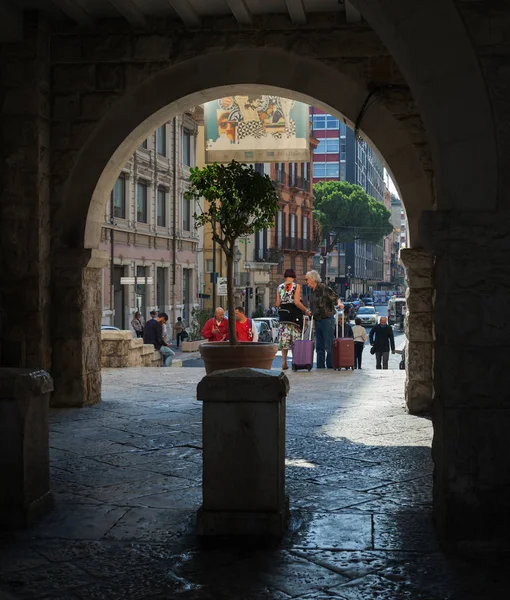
322	307
153	334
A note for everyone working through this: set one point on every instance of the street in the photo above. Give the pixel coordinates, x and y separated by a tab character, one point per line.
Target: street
368	359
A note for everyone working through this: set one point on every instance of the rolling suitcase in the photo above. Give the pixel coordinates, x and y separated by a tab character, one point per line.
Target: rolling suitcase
343	350
302	352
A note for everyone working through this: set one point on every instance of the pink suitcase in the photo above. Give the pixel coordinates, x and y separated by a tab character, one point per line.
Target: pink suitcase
302	352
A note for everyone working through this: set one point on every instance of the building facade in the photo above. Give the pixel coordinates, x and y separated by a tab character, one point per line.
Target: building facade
262	258
149	232
340	157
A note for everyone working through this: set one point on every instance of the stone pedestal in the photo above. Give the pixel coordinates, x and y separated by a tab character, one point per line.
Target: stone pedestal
419	328
471	412
244	453
24	451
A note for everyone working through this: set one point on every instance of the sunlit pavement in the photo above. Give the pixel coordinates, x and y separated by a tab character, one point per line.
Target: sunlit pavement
126	475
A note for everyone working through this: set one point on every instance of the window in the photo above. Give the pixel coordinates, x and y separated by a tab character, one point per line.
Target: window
161	273
161	208
328	146
186	147
186	214
305	169
292	174
141	202
161	140
304	263
343	148
332	169
259	168
319	121
319	169
293	225
332	122
279	229
119	198
306	221
209	265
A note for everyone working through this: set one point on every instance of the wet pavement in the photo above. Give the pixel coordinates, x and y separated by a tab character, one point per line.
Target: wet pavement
126	475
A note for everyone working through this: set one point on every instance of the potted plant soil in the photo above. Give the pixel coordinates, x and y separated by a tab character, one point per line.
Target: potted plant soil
238	202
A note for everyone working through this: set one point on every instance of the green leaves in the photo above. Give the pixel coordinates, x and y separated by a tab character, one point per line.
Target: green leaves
240	200
347	212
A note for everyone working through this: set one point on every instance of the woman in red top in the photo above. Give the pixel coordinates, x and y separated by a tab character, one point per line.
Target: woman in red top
216	329
245	328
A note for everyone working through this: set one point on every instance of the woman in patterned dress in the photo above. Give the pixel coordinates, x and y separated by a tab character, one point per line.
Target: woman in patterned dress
288	293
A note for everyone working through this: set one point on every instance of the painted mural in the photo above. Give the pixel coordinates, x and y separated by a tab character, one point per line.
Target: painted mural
256	129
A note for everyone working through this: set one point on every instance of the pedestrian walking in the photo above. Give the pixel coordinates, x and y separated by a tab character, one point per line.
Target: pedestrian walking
290	311
153	334
180	331
137	324
322	307
381	339
359	333
245	328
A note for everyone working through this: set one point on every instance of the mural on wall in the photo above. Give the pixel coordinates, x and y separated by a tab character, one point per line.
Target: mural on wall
256	129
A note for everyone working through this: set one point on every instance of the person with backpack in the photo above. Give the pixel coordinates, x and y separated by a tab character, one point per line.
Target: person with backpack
245	328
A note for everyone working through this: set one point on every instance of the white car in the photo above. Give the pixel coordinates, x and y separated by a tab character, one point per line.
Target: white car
368	315
274	324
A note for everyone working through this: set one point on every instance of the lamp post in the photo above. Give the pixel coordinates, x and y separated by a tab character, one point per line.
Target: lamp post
237	259
348	277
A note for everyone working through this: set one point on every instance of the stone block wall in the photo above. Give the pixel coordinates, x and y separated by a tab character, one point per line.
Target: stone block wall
119	349
419	329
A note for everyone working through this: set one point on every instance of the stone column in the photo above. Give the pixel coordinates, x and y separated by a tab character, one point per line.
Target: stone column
471	412
76	327
24	450
244	453
419	328
25	198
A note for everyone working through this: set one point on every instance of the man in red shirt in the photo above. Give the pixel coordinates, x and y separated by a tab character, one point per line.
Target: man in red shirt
245	328
216	329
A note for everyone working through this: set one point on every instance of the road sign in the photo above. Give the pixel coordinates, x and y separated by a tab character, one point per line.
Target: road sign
139	280
222	286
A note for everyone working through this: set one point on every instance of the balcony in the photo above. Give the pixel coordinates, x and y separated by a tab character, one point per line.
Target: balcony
299	183
294	243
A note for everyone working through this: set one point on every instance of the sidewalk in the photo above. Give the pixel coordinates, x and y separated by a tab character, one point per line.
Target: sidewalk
127	474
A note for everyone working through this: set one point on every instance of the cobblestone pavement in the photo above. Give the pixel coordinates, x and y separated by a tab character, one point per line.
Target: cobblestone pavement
126	475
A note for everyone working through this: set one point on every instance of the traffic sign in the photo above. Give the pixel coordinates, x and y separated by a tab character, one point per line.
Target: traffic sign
222	286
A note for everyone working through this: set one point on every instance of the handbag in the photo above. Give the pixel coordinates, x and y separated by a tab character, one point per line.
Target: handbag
372	350
290	313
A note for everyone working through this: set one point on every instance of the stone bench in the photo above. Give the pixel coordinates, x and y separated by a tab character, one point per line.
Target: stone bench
119	350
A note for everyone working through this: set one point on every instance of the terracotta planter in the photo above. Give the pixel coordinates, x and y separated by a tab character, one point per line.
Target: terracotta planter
221	355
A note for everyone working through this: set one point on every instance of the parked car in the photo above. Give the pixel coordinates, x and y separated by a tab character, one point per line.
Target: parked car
368	302
109	328
274	324
263	330
368	315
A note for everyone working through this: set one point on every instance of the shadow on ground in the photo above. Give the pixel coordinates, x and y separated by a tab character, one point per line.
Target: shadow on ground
127	473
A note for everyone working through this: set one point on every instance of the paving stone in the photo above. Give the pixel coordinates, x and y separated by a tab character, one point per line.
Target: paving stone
355	564
151	524
79	522
405	531
114	532
43	581
335	531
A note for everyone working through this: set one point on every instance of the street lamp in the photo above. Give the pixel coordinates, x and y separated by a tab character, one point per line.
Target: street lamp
237	255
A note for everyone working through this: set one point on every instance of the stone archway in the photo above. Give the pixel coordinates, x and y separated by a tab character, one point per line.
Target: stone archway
122	129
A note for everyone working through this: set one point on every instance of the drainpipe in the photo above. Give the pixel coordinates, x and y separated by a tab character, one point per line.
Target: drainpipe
174	217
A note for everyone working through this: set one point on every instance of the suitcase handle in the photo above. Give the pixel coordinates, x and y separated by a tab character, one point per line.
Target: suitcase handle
311	328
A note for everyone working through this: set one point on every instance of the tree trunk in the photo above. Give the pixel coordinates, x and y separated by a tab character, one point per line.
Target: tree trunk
232	335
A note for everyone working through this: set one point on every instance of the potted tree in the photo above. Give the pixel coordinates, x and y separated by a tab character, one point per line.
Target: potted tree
240	202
